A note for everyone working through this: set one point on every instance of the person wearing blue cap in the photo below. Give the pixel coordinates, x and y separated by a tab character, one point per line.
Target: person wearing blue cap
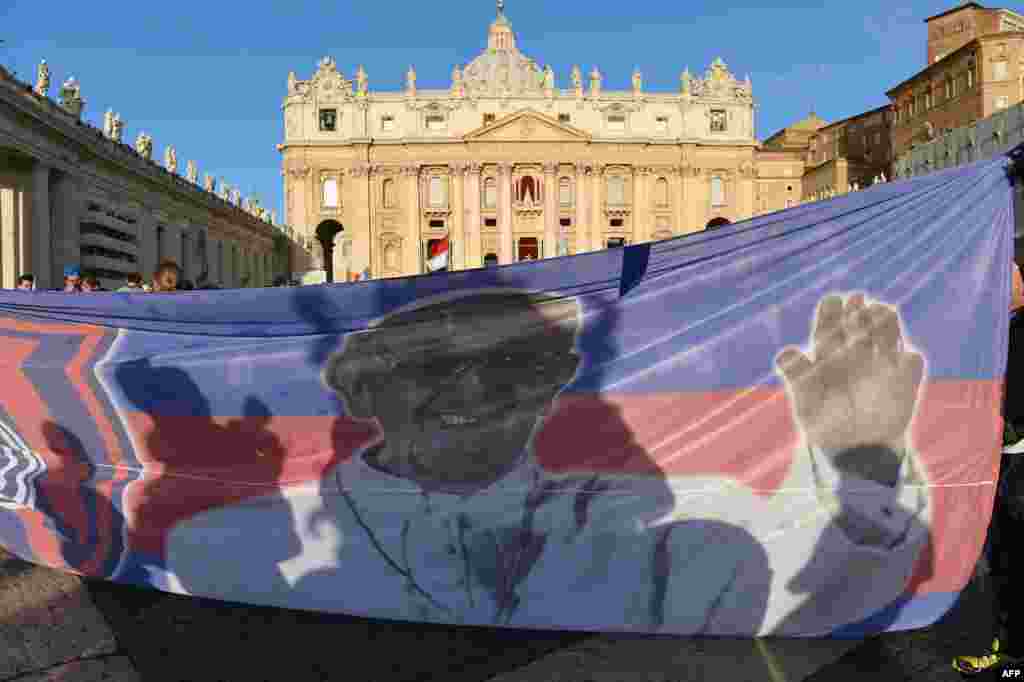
72	279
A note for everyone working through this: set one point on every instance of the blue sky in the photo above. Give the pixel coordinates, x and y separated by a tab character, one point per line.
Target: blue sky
209	77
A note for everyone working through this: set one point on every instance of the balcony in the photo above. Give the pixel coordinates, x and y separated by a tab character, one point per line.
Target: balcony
617	209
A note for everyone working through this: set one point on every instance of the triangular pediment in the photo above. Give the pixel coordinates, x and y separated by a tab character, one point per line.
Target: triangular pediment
527	126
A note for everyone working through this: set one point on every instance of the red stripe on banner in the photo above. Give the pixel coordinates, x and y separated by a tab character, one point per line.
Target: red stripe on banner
26	327
749	436
194	463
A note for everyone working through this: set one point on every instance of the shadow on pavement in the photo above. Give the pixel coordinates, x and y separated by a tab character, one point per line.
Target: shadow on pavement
169	637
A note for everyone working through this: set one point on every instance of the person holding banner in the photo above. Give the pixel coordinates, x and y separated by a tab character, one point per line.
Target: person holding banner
1003	544
165	278
448	516
72	280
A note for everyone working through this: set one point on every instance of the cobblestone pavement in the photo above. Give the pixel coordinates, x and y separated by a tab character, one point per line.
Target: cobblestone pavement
58	627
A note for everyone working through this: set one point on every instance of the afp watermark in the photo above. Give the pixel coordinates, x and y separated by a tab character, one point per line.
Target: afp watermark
1012	673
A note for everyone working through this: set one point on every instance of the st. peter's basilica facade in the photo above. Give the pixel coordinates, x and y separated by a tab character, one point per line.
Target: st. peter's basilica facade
510	166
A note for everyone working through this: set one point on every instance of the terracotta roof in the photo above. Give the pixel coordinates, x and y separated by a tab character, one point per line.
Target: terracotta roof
863	114
966	5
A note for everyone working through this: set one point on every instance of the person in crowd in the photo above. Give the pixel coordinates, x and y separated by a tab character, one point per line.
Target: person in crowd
281	281
165	278
91	284
26	282
1004	553
72	279
132	283
186	285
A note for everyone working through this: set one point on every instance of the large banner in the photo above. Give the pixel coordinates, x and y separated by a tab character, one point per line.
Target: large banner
787	426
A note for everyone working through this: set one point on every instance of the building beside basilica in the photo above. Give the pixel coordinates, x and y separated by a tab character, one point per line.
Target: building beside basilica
72	195
509	164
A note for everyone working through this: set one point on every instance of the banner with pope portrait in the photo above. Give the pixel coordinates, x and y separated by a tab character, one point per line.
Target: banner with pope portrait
788	426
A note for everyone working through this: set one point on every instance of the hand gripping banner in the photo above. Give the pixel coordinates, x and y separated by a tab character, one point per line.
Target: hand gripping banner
788	426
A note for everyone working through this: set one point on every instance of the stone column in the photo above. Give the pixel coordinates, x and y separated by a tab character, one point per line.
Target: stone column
172	243
360	222
64	230
550	192
505	243
456	204
224	267
148	256
42	246
696	198
9	221
471	200
187	252
641	213
209	266
678	198
411	246
597	218
581	226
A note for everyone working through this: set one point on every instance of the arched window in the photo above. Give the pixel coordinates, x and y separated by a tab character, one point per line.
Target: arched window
490	193
389	193
616	190
717	192
661	192
330	193
565	192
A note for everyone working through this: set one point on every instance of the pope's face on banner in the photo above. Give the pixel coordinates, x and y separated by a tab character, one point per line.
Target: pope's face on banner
457	387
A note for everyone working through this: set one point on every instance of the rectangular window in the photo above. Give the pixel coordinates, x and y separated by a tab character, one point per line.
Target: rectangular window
328	120
488	119
387	123
490	193
490	222
437	224
717	192
1000	71
435	123
616	242
616	191
565	222
661	125
330	193
565	192
564	118
718	120
616	123
437	192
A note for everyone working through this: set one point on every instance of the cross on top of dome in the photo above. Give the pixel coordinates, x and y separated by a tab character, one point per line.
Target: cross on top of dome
501	36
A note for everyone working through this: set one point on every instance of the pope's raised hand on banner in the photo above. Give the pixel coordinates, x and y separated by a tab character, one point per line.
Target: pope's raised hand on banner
859	387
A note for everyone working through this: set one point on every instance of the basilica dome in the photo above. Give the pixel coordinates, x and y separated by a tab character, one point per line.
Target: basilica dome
502	68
